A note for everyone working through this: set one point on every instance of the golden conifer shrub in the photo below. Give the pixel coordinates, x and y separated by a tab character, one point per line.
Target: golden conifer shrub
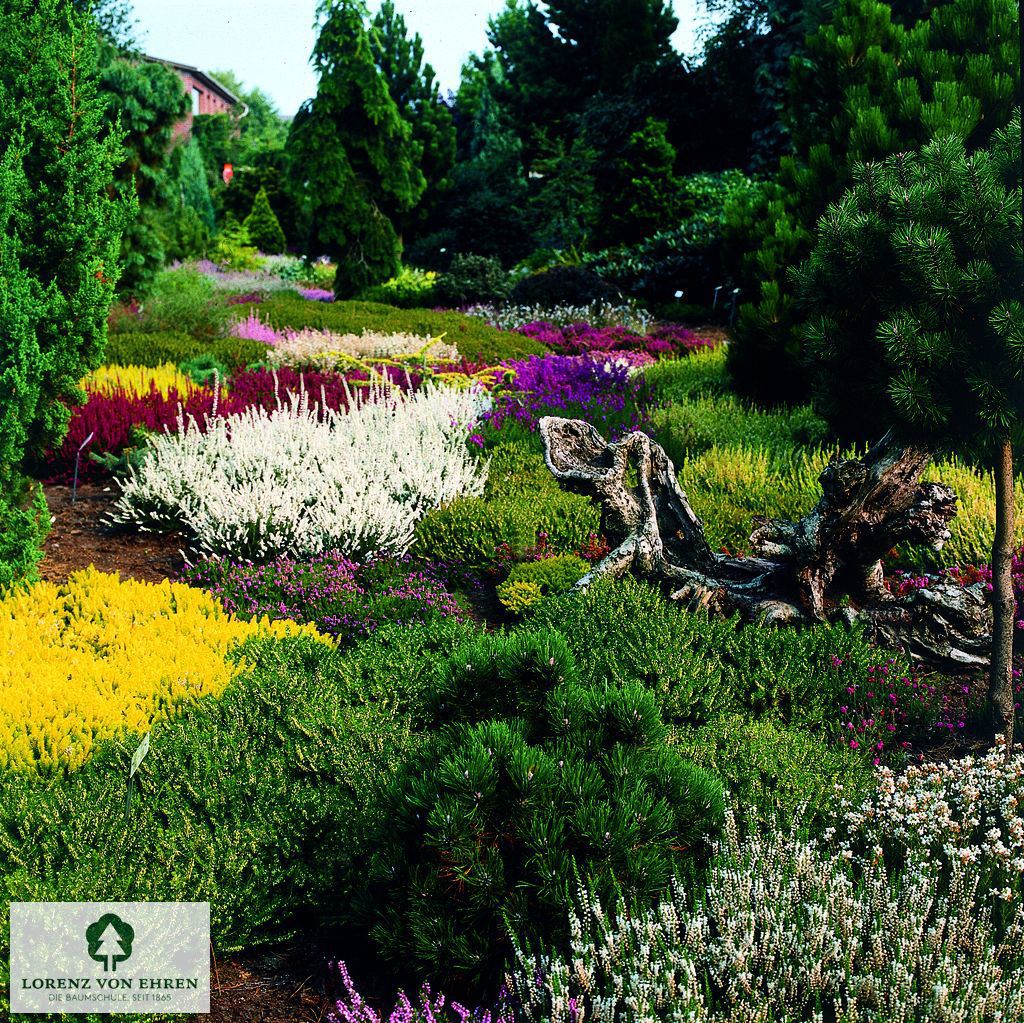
97	656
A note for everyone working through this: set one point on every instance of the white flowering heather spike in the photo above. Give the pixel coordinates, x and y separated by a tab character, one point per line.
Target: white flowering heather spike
788	932
298	480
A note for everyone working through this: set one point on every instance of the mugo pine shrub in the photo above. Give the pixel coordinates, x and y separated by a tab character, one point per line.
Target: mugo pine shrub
60	232
531	777
301	480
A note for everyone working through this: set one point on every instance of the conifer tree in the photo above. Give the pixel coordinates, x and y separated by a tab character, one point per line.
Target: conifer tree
353	157
415	90
916	284
60	231
869	86
263	227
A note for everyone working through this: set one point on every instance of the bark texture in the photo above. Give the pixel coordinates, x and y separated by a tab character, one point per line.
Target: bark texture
1003	603
825	566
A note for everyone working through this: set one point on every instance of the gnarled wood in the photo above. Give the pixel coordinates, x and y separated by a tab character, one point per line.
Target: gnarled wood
824	566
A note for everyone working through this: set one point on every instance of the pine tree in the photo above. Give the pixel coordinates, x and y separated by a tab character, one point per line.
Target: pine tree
353	157
60	230
869	86
415	90
263	227
916	285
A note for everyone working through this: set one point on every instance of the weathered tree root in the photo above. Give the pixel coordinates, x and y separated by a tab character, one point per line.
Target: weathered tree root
825	566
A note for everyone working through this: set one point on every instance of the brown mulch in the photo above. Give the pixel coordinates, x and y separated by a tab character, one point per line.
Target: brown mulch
79	537
268	986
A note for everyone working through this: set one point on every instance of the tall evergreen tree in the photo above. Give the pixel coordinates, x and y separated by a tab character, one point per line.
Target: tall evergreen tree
263	227
353	157
417	94
60	227
916	286
868	87
147	100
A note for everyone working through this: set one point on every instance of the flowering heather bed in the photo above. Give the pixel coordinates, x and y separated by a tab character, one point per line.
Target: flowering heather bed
604	392
909	909
342	598
583	339
114	413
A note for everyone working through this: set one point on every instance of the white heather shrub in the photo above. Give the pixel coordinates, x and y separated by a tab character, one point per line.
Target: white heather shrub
968	810
325	349
597	314
299	481
790	930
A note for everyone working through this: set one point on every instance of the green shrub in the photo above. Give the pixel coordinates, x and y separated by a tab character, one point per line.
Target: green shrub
474	339
409	289
263	227
700	374
703	667
234	249
495	675
775	769
705	422
169	346
204	369
472	279
256	802
470	530
484	829
562	285
530	581
24	523
185	301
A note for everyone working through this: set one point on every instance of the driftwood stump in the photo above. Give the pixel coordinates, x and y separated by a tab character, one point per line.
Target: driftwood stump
825	566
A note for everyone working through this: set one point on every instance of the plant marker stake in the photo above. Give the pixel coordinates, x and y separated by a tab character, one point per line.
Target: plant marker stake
78	458
735	299
137	757
714	302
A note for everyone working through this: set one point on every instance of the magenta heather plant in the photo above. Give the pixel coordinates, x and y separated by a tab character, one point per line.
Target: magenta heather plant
316	294
339	596
582	339
252	328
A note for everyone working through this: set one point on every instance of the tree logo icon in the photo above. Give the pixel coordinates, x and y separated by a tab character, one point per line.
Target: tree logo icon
110	941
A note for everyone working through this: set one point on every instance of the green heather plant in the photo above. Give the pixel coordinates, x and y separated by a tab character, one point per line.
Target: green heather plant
485	828
781	771
701	667
529	582
471	280
700	374
186	301
231	806
61	221
159	347
702	423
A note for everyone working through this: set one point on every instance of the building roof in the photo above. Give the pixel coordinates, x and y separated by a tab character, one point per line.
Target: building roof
199	76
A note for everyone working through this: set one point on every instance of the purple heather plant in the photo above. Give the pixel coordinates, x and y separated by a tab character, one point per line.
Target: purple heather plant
316	294
252	328
431	1008
603	392
342	598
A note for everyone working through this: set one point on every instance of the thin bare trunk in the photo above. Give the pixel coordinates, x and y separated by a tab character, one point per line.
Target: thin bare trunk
1001	678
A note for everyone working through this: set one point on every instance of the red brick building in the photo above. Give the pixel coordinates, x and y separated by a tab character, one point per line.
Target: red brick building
208	96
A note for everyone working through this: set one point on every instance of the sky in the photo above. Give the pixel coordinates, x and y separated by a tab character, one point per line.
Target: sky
267	43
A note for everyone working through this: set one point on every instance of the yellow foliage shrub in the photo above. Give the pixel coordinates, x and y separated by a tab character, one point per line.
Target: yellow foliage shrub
138	380
98	656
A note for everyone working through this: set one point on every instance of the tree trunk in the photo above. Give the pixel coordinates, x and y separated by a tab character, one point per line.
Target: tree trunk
1003	605
823	567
